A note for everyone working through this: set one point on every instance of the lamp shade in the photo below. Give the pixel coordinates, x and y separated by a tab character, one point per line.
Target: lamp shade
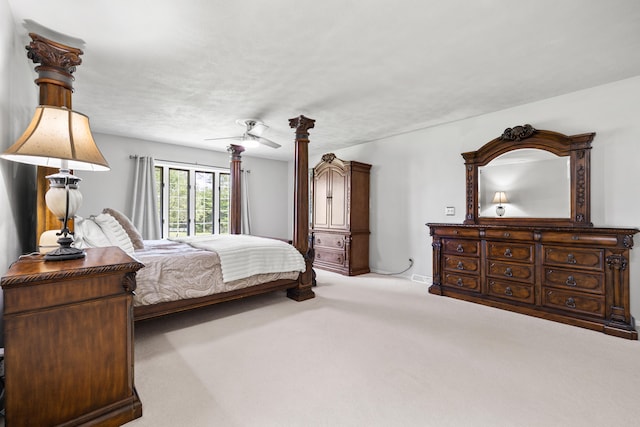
500	197
58	137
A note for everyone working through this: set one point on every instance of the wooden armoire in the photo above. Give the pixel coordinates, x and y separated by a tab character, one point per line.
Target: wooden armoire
340	216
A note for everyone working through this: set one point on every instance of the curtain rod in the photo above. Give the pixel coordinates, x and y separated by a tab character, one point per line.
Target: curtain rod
135	156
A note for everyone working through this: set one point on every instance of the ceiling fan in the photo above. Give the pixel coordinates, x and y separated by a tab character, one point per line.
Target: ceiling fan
252	136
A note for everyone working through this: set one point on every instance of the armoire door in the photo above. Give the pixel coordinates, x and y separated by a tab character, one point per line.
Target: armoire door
321	199
338	206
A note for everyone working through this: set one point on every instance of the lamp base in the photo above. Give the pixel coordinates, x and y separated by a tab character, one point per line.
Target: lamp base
64	251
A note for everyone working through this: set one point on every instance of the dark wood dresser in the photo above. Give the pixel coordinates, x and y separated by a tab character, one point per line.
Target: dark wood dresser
525	259
578	276
340	218
69	340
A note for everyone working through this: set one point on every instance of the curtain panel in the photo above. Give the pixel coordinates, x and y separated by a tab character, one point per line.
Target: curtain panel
144	213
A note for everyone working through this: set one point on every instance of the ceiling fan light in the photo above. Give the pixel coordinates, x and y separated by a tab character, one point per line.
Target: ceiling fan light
249	141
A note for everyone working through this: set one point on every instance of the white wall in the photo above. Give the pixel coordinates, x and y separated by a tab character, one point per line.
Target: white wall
267	185
415	176
18	99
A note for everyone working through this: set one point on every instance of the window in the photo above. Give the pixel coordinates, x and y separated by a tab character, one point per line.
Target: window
192	199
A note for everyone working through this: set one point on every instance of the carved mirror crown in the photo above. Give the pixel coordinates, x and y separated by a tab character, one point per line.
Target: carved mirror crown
576	148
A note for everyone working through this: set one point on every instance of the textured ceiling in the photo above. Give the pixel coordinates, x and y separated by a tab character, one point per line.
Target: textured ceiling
182	71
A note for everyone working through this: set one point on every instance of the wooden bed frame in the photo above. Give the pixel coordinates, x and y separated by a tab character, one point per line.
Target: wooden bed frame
298	289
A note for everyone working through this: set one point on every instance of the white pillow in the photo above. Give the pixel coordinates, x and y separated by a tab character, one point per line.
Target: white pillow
88	234
114	232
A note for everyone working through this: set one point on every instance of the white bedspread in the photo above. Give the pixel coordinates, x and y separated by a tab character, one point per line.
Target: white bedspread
242	256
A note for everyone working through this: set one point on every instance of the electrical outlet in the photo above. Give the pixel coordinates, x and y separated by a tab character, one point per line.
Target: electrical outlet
450	211
419	278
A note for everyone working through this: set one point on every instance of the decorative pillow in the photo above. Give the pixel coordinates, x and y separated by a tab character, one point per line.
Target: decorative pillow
129	228
114	232
88	234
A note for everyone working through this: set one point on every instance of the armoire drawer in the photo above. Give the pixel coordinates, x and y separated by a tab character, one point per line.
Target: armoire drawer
510	251
329	257
328	240
462	247
574	257
574	279
575	302
460	281
511	271
461	264
512	291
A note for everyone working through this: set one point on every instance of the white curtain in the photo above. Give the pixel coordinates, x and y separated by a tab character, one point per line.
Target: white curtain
245	213
144	213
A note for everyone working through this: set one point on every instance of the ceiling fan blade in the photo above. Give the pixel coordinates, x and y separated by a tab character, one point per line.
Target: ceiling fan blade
226	138
268	143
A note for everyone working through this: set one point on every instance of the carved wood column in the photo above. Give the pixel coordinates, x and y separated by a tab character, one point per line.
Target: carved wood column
235	198
302	125
55	80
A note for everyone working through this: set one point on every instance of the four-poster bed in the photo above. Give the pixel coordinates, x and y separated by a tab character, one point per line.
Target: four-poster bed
299	286
183	274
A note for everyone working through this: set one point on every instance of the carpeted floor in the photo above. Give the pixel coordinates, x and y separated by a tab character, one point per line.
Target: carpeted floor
376	350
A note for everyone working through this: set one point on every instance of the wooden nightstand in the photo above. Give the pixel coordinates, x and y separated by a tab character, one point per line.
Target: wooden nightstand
68	329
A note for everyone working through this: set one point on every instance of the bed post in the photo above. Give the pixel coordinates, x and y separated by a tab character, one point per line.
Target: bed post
302	125
235	197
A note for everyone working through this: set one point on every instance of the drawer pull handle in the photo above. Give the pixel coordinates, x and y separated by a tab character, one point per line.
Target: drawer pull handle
570	302
508	272
318	255
571	281
319	241
507	234
460	249
459	282
339	243
460	265
571	259
508	291
508	253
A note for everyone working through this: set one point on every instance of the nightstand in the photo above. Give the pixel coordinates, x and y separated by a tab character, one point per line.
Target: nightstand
68	329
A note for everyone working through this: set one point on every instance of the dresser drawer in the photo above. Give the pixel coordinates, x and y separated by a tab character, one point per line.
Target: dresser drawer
456	232
462	247
326	256
328	240
575	302
511	271
460	264
579	238
510	251
512	291
509	234
459	281
572	279
574	257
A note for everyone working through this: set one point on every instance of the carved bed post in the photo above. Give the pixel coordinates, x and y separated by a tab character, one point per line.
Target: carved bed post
302	125
235	198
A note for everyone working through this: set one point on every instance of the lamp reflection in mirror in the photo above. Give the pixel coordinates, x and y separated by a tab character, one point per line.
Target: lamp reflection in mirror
500	197
60	137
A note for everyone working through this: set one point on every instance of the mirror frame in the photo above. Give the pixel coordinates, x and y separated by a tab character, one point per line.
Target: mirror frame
576	147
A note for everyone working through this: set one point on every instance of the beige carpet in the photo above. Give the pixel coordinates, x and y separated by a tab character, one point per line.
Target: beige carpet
379	351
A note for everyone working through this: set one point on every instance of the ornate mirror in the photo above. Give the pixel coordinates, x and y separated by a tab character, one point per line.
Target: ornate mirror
530	176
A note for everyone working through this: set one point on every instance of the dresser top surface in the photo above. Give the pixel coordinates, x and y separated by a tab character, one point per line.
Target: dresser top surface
585	230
